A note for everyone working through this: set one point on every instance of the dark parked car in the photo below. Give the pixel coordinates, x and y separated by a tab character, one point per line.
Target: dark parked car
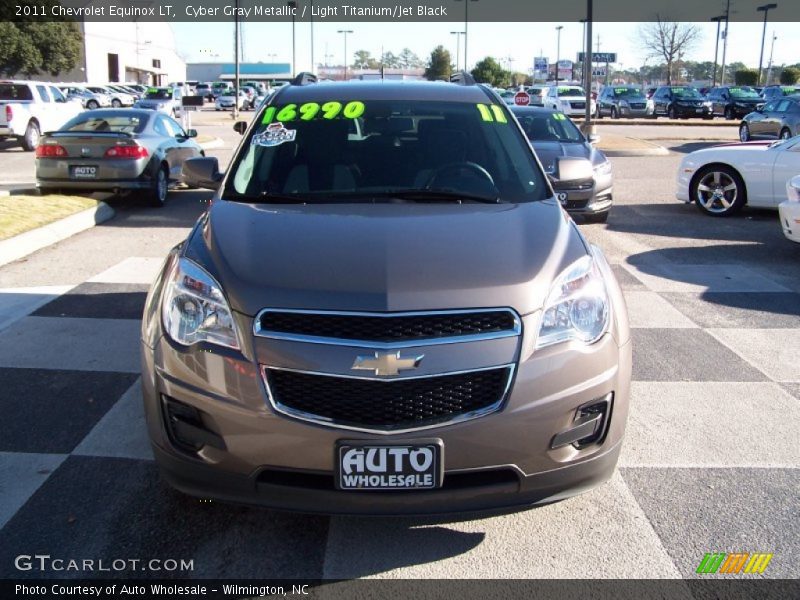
621	101
779	118
392	323
553	135
771	92
115	150
733	102
680	102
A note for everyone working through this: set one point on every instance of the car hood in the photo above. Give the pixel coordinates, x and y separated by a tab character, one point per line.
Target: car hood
549	151
385	257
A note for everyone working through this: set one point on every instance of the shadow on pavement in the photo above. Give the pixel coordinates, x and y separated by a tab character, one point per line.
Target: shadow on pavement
182	209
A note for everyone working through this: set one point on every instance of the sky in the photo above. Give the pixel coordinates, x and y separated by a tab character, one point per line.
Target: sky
514	43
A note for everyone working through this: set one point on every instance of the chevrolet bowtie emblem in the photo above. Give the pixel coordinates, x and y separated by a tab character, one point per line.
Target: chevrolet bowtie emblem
386	364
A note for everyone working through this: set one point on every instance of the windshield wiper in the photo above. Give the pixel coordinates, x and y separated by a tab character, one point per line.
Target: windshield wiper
422	195
267	198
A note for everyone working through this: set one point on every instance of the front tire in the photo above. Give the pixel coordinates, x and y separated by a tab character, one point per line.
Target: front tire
744	133
729	116
671	113
718	191
92	105
116	103
785	134
30	140
614	114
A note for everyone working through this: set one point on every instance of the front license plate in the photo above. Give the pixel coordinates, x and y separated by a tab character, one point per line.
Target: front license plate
83	172
388	467
698	110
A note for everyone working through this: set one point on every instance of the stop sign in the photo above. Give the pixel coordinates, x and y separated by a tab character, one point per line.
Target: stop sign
522	99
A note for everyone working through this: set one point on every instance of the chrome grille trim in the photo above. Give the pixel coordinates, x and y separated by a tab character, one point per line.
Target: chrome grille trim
516	331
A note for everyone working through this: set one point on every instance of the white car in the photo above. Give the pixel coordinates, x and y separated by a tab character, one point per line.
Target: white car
789	210
722	179
568	99
227	100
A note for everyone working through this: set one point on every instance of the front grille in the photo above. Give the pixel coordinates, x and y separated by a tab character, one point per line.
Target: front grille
576	204
386	329
637	105
387	405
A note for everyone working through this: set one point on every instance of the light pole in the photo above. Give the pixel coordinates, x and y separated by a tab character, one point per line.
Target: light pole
292	4
345	32
236	62
466	29
725	43
765	9
558	49
313	64
772	48
458	35
716	48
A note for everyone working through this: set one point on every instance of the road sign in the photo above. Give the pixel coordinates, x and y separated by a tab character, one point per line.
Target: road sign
522	99
600	57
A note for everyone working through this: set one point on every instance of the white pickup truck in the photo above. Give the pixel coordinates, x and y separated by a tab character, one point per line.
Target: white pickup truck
28	108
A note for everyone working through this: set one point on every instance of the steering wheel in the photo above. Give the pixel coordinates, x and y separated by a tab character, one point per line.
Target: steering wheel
453	168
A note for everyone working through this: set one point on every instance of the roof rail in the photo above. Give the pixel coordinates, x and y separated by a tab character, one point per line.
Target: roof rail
304	78
462	78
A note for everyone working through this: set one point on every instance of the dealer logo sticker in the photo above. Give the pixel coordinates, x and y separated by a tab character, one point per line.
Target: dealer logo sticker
274	135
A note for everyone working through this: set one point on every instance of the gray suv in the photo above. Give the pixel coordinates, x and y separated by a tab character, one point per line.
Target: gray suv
385	310
618	101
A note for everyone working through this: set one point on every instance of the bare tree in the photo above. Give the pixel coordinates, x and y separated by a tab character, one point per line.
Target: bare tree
668	41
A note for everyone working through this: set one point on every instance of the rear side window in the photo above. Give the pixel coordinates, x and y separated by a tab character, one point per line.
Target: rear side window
57	95
13	91
42	91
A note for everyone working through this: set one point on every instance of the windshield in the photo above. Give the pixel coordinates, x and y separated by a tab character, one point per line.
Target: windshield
744	92
628	93
114	123
571	91
548	127
383	150
159	94
683	92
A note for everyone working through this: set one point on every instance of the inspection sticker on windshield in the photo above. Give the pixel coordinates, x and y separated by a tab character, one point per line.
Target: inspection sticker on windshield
274	135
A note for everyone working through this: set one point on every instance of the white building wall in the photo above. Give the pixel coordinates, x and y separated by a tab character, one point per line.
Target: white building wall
136	45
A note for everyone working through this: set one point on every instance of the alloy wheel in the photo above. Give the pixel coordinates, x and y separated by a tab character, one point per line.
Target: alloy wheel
717	192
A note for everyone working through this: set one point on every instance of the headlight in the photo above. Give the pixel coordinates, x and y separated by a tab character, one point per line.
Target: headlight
604	168
708	103
195	309
623	103
577	306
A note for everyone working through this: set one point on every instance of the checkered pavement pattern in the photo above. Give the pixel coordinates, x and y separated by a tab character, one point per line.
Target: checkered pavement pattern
710	461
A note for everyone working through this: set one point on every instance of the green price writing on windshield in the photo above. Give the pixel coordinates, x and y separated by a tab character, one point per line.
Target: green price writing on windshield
559	116
312	110
491	113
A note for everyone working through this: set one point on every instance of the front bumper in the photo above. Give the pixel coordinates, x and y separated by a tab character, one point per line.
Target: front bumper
693	111
501	460
595	200
632	113
789	213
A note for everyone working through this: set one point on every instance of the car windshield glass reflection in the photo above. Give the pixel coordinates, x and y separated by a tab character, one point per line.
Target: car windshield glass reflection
554	127
628	93
686	93
362	151
566	91
744	92
159	94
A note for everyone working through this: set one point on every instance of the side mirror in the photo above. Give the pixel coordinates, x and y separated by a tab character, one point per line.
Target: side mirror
793	188
240	127
192	133
593	138
202	172
572	170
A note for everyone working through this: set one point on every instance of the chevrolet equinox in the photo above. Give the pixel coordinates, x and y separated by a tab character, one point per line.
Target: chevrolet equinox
385	311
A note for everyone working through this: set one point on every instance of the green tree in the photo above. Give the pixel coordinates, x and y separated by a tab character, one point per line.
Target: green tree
439	65
408	60
364	59
745	77
789	75
31	48
390	60
489	71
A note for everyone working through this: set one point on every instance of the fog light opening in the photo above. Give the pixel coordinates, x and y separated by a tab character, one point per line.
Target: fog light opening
186	429
589	426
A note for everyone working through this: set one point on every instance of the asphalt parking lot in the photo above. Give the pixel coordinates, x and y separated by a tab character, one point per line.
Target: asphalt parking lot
710	462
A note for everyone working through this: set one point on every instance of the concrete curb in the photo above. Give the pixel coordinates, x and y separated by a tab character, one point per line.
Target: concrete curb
630	146
215	143
666	122
26	243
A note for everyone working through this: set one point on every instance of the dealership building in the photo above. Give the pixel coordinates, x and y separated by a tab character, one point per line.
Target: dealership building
219	71
130	52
